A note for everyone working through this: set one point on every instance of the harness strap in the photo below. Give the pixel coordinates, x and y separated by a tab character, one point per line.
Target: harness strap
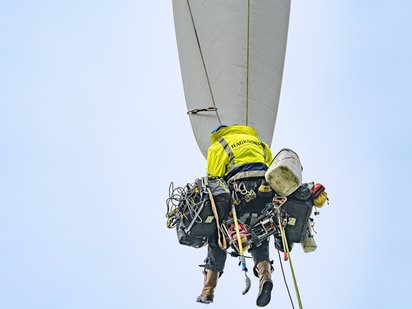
221	240
247	174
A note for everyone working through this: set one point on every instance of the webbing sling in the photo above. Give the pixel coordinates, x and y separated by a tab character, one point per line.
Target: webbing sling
220	238
246	174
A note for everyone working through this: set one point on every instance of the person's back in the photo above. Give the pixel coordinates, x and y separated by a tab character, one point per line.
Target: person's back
236	149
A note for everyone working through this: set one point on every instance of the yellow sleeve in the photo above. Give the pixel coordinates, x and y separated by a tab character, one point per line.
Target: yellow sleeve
217	160
269	156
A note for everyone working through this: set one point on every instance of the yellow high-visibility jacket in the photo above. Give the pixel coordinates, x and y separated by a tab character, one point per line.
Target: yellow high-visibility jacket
234	146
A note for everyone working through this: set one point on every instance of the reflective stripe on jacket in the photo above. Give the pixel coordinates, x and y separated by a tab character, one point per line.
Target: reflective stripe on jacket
233	146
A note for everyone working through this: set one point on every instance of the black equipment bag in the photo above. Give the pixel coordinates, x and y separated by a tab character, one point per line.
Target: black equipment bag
299	208
198	220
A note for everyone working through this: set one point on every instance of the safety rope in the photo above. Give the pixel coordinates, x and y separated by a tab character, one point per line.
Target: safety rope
286	247
247	63
284	279
203	61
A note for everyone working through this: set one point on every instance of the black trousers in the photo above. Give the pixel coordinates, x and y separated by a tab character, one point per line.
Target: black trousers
216	257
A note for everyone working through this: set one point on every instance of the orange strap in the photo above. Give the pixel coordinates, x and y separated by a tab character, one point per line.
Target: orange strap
221	240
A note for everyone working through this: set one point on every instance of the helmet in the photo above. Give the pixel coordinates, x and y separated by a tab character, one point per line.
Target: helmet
221	126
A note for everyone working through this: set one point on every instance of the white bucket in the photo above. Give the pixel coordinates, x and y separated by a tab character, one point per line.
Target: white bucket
285	172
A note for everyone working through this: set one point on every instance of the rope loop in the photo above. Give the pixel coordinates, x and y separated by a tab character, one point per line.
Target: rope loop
197	110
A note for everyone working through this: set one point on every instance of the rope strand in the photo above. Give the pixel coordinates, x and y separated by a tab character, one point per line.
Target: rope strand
203	60
284	279
286	248
247	62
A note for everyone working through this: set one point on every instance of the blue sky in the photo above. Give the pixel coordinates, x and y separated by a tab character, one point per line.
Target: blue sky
93	128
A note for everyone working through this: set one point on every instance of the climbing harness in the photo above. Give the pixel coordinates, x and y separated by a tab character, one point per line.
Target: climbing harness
192	209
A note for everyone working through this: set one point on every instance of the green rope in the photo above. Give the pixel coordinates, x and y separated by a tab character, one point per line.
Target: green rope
284	279
291	265
247	63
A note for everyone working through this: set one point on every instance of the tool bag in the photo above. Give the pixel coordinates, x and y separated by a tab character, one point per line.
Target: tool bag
198	220
299	208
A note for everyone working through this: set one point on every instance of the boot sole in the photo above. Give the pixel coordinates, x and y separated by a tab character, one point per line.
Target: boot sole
264	297
204	301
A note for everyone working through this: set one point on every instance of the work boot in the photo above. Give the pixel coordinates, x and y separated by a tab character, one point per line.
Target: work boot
209	285
264	270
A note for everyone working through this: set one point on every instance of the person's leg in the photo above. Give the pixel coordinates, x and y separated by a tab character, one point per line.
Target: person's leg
213	268
263	269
